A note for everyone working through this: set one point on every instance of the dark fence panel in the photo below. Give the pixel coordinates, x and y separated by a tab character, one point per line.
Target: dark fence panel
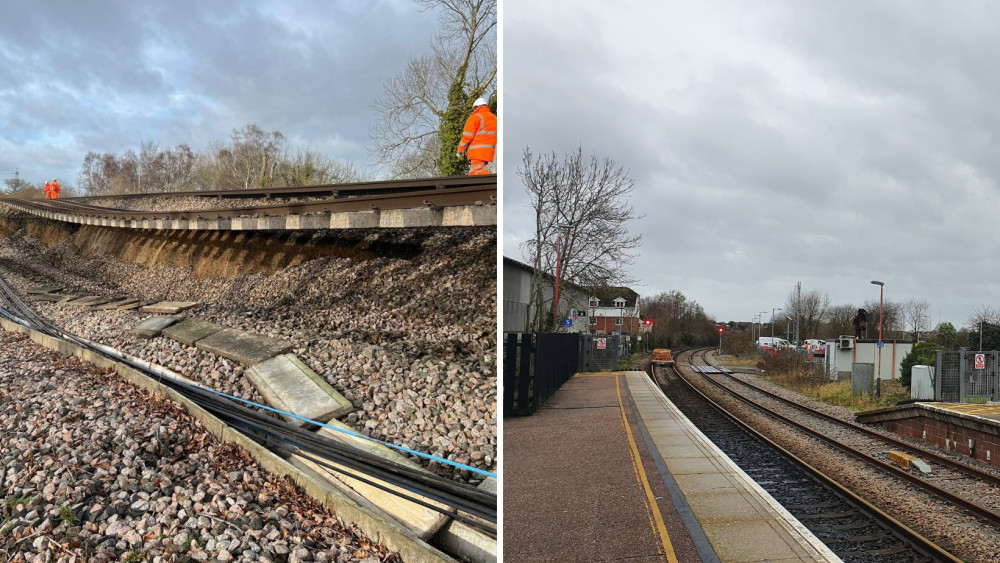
535	367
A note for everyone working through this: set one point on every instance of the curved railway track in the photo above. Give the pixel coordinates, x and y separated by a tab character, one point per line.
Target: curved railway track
970	490
433	202
855	530
330	190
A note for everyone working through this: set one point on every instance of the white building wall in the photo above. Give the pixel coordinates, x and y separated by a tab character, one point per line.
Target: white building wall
839	361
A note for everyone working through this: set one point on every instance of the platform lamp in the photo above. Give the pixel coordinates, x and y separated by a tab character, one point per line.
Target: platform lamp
881	293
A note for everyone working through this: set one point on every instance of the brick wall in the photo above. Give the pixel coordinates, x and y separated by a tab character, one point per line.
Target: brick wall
986	446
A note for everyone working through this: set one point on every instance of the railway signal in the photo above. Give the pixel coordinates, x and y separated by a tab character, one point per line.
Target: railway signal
647	322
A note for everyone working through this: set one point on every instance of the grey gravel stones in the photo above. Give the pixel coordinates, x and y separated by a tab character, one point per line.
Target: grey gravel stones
94	469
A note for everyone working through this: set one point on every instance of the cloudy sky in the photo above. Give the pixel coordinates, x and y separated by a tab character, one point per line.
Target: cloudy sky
831	143
105	75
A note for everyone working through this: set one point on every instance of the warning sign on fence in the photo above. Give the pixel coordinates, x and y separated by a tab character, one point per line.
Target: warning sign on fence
602	343
980	361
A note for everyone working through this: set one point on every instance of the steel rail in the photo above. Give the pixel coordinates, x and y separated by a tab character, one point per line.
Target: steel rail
938	458
471	500
947	496
383	186
901	530
383	202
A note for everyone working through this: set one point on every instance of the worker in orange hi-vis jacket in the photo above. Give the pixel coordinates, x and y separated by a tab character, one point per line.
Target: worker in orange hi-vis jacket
54	186
48	190
479	139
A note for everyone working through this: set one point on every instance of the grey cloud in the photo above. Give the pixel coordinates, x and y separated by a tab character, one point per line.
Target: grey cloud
102	76
825	143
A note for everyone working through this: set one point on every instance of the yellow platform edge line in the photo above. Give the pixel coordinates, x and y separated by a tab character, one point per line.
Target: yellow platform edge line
640	472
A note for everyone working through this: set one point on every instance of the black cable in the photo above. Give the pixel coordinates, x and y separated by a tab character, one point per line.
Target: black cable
463	497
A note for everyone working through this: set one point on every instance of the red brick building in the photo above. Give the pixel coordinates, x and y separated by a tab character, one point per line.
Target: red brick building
620	315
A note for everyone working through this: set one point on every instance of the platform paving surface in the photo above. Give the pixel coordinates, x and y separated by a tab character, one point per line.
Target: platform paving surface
153	326
570	488
243	347
288	384
191	330
573	493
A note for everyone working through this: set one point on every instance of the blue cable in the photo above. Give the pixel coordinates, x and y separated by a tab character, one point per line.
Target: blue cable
349	433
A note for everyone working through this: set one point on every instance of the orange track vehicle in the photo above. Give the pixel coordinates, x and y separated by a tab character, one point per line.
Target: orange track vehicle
661	356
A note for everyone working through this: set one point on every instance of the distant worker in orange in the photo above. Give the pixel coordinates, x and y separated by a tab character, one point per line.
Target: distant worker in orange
48	190
480	138
54	188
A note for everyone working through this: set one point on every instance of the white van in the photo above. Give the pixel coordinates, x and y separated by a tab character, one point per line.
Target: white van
772	342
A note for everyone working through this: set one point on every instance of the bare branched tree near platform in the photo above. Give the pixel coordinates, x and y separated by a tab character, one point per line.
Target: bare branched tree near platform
581	204
893	321
839	318
435	90
916	315
808	308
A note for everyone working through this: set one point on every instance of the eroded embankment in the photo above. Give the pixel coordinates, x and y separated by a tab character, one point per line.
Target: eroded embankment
401	322
221	254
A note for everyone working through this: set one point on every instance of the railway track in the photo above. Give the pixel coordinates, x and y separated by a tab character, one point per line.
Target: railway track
320	190
433	202
851	527
961	486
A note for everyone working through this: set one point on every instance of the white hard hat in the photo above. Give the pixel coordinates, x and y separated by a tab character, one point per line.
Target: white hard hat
479	102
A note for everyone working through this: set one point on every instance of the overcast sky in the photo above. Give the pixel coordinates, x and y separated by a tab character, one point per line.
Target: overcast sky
105	75
831	143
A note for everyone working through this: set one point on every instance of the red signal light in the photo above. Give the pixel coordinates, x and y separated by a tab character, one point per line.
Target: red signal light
722	329
648	322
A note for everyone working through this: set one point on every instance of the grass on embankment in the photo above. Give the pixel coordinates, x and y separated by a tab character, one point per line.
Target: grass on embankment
839	392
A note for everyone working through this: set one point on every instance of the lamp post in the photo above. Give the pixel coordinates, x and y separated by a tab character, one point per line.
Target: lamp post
772	324
760	324
881	293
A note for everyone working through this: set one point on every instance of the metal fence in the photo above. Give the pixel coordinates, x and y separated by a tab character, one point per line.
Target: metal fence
966	376
535	367
601	353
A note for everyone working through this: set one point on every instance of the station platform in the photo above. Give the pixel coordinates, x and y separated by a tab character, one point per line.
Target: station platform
609	469
968	429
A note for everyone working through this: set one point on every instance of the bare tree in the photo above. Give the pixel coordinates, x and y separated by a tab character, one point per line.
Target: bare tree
983	314
893	321
405	137
250	158
582	211
839	318
916	315
306	167
809	308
